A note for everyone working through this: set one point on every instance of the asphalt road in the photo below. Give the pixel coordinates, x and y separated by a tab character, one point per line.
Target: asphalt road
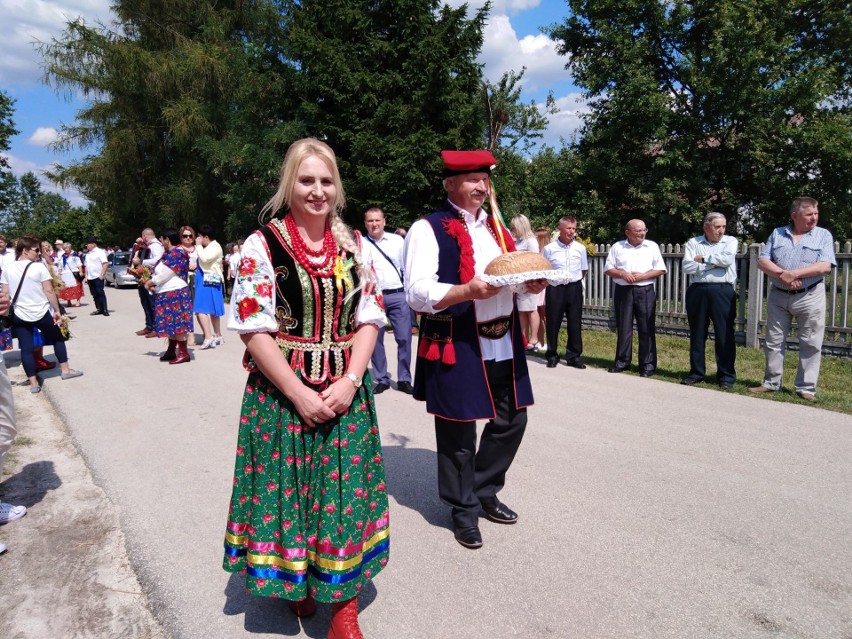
647	509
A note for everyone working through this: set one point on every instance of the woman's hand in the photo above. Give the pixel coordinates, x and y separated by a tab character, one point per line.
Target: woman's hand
57	318
338	397
311	407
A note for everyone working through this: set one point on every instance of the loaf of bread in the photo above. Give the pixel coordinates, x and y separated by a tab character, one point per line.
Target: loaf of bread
517	262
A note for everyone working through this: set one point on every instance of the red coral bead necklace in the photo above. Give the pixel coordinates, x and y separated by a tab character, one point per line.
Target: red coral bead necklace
317	263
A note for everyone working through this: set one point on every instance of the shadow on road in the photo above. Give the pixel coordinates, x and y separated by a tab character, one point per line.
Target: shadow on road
412	481
31	484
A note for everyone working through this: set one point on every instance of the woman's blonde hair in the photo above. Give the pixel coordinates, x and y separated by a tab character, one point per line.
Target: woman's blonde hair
298	152
521	228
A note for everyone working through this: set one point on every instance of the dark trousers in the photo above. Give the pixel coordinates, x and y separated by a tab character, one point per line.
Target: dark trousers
465	474
96	288
565	300
23	331
147	301
715	303
639	303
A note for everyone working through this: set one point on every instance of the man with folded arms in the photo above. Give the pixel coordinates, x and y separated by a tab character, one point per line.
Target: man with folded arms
387	251
796	258
710	261
471	362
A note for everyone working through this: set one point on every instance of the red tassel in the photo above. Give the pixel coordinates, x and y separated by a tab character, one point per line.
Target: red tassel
434	352
449	355
423	346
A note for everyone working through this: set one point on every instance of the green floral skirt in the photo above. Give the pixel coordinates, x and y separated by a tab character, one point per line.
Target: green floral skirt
309	508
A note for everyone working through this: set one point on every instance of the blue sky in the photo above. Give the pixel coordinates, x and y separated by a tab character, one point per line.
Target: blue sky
512	40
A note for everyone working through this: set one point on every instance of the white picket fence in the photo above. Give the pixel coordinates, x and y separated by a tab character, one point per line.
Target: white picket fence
752	286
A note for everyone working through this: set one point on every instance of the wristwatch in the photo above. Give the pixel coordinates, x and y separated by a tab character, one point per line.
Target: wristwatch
356	381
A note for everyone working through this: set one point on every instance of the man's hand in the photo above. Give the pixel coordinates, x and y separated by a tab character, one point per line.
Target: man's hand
536	286
479	290
4	303
788	279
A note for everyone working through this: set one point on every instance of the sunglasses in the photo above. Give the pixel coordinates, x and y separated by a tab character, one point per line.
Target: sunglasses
189	236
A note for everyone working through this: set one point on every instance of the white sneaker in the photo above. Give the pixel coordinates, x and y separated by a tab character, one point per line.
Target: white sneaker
2	547
8	513
218	340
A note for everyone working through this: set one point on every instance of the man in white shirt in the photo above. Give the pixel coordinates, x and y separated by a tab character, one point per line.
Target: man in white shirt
7	254
387	251
96	266
566	300
634	265
471	362
147	253
710	261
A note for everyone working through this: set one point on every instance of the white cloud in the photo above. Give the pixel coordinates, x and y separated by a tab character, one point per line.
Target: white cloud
568	121
20	166
27	22
503	51
43	136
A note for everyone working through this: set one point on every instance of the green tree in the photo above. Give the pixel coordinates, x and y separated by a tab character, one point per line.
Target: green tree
162	84
512	124
388	84
7	130
715	104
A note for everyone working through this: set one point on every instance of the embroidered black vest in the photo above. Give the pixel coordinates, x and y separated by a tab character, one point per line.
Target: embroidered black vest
316	323
459	390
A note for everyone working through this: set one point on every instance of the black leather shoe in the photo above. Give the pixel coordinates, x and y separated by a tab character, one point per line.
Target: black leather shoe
405	387
616	369
96	313
105	313
691	381
576	363
497	511
552	362
646	373
380	388
469	537
726	385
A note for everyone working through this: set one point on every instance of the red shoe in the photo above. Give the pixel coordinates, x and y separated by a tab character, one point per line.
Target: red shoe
44	365
170	354
344	621
183	354
304	608
142	332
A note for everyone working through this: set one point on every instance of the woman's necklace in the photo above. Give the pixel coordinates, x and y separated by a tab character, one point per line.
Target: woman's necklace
317	263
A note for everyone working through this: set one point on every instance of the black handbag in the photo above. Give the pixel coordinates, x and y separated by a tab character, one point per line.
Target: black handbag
6	320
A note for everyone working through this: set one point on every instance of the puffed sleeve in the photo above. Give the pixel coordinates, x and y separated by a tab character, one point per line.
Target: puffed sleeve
253	298
371	307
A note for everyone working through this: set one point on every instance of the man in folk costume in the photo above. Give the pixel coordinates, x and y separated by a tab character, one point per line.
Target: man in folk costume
470	361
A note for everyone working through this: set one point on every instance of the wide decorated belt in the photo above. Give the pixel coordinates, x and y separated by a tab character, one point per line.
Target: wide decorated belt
494	329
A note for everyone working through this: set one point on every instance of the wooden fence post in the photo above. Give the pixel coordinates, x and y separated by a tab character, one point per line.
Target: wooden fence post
755	297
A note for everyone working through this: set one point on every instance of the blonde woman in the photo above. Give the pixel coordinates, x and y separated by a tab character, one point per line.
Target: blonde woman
525	240
309	511
542	236
71	269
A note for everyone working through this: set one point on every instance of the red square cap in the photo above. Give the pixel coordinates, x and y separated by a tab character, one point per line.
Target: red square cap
458	162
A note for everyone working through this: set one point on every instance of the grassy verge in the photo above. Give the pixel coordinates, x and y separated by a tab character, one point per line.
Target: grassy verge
833	389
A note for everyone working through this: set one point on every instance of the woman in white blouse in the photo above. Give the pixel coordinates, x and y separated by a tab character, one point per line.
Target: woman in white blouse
525	240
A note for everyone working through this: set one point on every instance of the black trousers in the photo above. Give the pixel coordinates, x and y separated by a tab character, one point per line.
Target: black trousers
565	300
96	288
715	303
147	301
465	474
639	303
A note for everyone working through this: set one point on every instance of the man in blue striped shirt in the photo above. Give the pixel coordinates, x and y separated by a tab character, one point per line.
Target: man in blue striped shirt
796	258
